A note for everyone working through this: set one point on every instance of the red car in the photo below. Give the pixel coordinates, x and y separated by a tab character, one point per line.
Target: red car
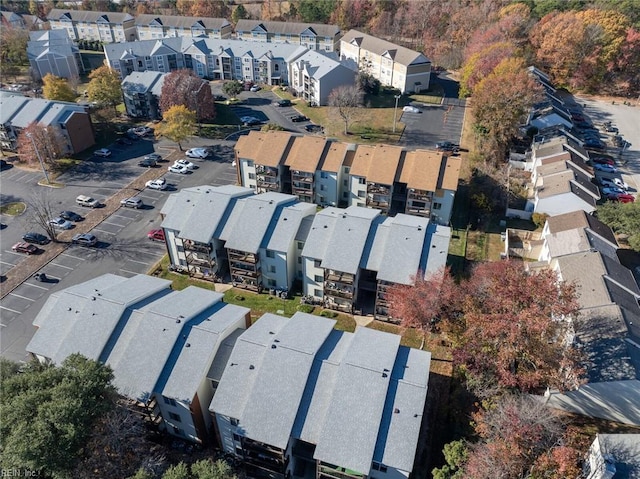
156	235
622	198
23	247
603	160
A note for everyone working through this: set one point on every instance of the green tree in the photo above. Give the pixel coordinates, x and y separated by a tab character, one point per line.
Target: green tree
232	88
142	474
208	469
56	88
48	412
178	124
13	46
313	11
368	83
455	453
622	218
104	87
179	471
239	13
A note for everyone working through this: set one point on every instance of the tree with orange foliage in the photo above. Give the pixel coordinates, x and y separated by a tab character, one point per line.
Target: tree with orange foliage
37	139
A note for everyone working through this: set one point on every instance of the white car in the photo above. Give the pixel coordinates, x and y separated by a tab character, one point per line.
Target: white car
615	182
178	169
160	184
103	152
410	109
255	88
197	153
61	223
186	163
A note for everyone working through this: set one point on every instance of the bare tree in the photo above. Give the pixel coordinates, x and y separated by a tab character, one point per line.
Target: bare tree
347	101
41	210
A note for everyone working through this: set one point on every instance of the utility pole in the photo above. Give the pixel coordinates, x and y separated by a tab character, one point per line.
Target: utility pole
395	112
44	170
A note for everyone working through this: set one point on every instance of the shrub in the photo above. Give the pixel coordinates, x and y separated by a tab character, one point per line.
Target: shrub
306	308
539	219
329	314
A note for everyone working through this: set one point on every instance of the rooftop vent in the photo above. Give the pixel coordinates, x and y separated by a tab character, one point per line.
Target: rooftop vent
251	366
188	345
273	346
396	411
178	321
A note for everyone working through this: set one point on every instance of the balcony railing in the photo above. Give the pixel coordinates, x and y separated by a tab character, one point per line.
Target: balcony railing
245	273
376	188
195	246
266	170
344	307
417	211
420	195
268	185
378	203
242	256
339	277
339	291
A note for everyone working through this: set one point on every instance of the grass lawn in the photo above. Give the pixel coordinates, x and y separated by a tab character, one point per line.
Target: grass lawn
13	209
65	164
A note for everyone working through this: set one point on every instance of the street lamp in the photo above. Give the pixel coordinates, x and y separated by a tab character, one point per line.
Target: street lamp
44	170
195	99
395	112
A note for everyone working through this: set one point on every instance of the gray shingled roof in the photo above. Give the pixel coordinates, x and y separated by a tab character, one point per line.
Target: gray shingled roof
399	246
10	105
401	55
274	400
351	425
319	64
257	219
347	245
287	226
292	28
89	15
438	239
176	21
142	82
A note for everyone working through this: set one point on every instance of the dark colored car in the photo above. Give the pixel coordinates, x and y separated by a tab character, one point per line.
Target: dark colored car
446	146
600	160
147	162
299	118
85	239
283	103
156	235
124	141
24	248
4	165
70	216
219	98
37	238
154	156
313	128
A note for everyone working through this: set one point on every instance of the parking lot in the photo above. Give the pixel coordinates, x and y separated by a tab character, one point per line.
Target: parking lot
123	247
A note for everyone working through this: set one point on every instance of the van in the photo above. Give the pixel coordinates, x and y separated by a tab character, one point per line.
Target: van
84	200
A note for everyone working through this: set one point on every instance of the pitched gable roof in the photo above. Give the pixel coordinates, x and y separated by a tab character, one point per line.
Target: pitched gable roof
401	55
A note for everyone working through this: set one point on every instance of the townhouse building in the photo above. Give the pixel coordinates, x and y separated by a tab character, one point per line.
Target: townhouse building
301	399
193	220
373	174
52	51
247	234
395	66
141	92
315	75
12	20
213	59
71	120
104	27
385	177
352	257
313	36
153	27
613	455
167	349
260	161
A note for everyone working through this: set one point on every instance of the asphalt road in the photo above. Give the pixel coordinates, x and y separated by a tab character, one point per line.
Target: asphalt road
123	246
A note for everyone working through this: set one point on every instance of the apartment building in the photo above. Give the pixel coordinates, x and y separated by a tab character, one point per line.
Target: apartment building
315	75
247	234
70	119
153	27
395	66
193	220
52	51
333	182
166	348
12	20
303	159
313	36
141	92
105	27
429	181
373	174
300	399
209	58
260	161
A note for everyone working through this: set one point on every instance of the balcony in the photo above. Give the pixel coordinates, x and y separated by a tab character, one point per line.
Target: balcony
379	189
378	203
336	289
334	304
267	185
245	273
301	176
190	245
420	195
411	210
339	277
266	170
242	256
296	190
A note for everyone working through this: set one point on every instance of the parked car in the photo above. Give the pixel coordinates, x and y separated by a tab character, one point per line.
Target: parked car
219	98
156	235
411	109
255	88
26	248
36	238
198	153
148	162
614	182
299	118
186	163
142	131
156	184
249	120
84	239
132	135
605	168
282	103
61	223
446	146
102	152
4	165
610	129
71	216
178	169
313	128
624	198
132	202
153	156
612	190
124	141
601	160
84	200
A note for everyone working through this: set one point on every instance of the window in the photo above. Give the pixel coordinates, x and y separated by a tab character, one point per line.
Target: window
318	279
345	194
236	437
271	283
345	182
276	67
361	181
299	260
317	293
317	263
252	176
272	269
324	175
175	417
437	206
361	194
300	244
322	188
169	401
270	254
238	451
360	204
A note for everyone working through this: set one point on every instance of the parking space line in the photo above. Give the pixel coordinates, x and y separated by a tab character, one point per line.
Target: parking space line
14	252
9	309
37	285
21	297
136	261
4	262
74	257
120	216
103	231
61	266
114	224
127	271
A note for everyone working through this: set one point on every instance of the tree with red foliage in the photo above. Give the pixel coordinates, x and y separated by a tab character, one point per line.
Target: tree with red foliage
183	87
512	333
426	303
49	143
